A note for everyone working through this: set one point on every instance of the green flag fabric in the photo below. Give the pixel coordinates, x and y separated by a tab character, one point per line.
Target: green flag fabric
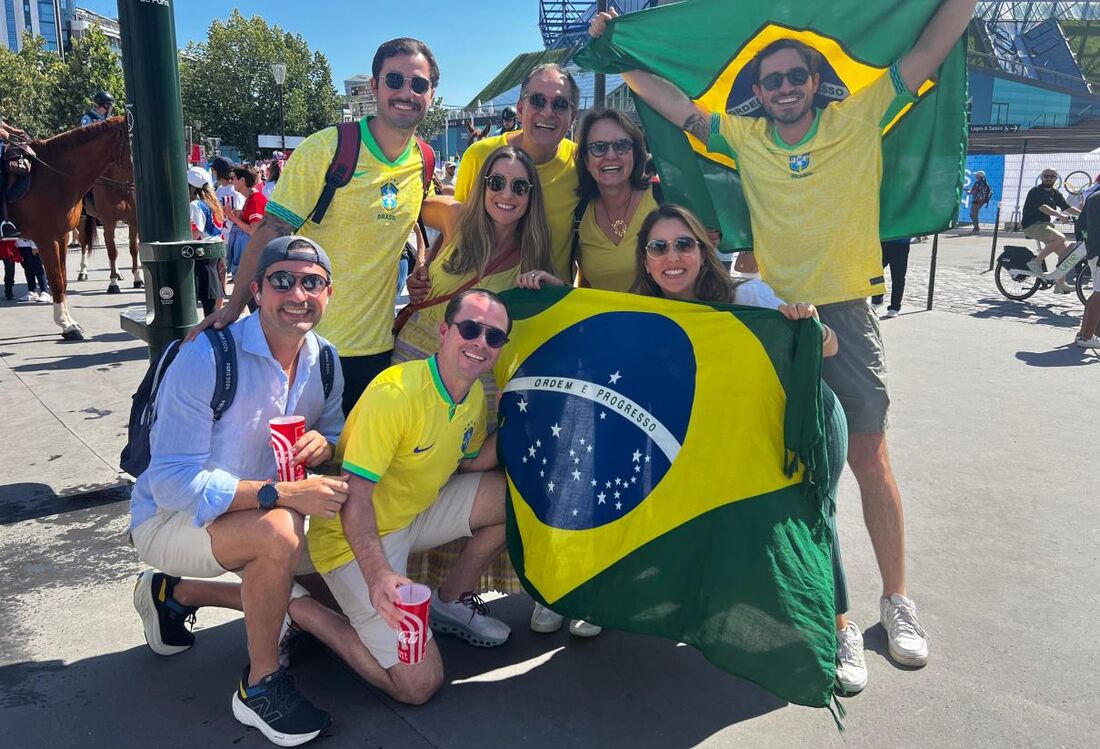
667	475
704	46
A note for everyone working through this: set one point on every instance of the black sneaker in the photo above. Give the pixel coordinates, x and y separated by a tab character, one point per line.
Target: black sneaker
165	621
278	710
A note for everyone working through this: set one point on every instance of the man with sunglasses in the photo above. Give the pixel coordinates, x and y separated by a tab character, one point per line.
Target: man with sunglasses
1044	202
547	108
208	502
421	475
811	179
368	220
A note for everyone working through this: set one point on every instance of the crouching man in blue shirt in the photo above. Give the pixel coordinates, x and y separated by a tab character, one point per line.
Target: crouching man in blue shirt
207	503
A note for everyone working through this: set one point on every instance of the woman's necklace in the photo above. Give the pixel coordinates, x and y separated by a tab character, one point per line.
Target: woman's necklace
618	225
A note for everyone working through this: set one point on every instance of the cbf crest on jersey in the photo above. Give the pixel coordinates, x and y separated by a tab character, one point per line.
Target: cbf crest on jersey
800	163
389	196
704	48
655	452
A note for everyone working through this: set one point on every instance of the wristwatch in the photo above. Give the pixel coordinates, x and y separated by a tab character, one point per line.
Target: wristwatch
268	495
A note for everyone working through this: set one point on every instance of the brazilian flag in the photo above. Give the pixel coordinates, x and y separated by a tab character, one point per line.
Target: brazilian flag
705	46
667	475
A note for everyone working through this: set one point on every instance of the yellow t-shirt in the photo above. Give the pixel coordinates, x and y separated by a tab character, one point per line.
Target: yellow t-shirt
814	206
604	264
407	435
363	232
558	178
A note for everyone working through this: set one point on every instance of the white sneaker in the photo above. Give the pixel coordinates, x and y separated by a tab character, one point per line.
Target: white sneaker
581	628
908	642
45	296
1061	287
30	296
851	668
544	620
1093	342
1035	266
467	618
891	314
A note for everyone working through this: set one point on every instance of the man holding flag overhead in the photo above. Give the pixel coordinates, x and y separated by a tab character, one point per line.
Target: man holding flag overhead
811	179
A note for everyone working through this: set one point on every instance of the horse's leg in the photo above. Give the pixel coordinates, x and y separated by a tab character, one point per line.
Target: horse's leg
112	255
71	330
87	238
139	281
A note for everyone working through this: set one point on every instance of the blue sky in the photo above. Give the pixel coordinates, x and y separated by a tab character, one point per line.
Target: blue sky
471	40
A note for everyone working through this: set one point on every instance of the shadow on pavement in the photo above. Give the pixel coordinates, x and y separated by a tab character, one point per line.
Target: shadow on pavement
80	361
27	501
999	308
1066	356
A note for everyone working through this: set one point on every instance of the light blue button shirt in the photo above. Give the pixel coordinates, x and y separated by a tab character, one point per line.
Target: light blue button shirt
196	462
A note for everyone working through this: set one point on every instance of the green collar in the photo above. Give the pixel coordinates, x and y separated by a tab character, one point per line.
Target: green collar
437	379
373	147
805	139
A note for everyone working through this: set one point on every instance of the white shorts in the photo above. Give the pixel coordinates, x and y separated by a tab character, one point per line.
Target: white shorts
447	519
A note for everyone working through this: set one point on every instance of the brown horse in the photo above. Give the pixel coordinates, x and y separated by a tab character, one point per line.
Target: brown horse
111	203
66	168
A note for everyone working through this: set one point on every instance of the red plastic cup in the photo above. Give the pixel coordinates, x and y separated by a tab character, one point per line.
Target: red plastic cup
412	635
285	433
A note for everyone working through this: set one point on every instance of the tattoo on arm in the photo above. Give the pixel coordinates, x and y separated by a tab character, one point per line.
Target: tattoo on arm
698	126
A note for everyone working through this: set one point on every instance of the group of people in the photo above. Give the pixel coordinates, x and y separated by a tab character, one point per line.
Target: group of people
403	435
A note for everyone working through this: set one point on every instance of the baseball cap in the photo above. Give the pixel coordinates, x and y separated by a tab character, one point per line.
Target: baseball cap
293	247
197	176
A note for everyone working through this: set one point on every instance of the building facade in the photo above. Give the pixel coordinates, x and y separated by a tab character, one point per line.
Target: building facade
81	21
360	99
39	17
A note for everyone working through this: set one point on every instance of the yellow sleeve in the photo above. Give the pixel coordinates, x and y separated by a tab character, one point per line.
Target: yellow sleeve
377	426
468	169
726	133
871	103
303	178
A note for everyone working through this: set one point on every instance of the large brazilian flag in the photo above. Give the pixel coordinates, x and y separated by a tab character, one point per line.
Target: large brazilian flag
704	47
667	475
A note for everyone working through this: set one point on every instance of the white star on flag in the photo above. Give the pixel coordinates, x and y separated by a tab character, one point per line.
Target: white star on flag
615	377
556	430
637	455
576	475
575	511
602	498
531	450
618	505
550	487
523	406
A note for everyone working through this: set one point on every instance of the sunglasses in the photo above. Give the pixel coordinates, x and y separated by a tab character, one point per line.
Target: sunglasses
797	76
470	330
600	147
559	103
396	81
283	281
658	248
1050	176
497	182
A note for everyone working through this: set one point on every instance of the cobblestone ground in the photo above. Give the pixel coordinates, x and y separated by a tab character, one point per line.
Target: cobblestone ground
964	283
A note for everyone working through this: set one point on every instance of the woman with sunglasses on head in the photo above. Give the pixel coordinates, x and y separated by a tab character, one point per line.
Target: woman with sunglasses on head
675	259
614	191
498	233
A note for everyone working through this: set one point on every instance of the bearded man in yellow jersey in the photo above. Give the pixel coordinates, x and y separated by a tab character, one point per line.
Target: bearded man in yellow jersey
811	180
368	221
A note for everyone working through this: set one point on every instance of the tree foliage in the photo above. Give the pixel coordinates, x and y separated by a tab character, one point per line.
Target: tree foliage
227	83
434	121
91	66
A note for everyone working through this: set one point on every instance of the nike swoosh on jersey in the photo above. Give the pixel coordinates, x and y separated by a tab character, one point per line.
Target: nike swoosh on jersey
423	449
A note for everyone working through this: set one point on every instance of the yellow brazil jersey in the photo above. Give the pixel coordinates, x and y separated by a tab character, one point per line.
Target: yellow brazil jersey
363	232
407	435
558	178
604	264
814	205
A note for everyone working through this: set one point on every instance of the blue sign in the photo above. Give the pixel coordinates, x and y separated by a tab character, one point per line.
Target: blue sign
994	168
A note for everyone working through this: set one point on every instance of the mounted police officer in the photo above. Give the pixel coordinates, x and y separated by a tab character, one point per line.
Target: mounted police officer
100	109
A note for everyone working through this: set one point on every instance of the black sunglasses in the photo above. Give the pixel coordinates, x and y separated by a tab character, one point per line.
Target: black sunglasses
470	330
396	81
658	248
797	76
497	182
559	103
283	281
600	147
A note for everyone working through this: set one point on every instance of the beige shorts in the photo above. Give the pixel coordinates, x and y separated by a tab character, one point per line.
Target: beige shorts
447	519
1043	231
170	542
857	373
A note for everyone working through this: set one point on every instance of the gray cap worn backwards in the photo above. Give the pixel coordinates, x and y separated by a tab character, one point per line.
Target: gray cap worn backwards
293	247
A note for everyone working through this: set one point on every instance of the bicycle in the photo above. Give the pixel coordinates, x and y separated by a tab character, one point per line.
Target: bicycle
1017	281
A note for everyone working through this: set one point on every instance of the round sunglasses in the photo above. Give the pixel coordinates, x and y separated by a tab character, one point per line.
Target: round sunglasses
283	281
797	77
558	104
599	148
471	329
396	81
658	248
497	182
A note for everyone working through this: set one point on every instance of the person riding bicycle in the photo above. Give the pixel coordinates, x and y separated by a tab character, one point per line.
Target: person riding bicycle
19	165
100	109
1044	202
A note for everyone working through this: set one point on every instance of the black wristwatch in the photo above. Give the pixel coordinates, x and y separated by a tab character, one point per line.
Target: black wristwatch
268	495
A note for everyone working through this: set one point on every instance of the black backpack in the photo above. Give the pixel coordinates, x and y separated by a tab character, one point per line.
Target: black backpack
143	413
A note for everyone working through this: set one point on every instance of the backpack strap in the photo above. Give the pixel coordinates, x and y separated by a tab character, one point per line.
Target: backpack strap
225	360
427	156
340	170
578	215
328	369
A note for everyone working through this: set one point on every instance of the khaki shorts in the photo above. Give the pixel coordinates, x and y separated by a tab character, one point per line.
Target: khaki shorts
170	542
857	373
447	519
1044	231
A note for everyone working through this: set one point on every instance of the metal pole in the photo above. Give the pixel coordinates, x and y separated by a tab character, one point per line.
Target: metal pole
932	270
599	91
282	121
996	227
1019	186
